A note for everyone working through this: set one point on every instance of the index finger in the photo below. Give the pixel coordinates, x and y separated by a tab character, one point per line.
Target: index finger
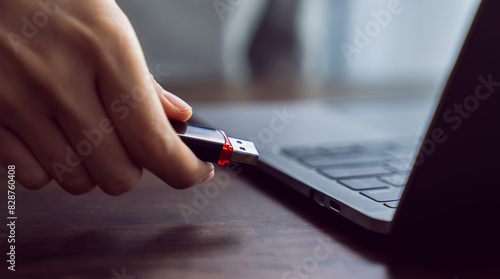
133	105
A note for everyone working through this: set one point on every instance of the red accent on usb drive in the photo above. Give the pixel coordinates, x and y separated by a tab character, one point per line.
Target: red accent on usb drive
227	150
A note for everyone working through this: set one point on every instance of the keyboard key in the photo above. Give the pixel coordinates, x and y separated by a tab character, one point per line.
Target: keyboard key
400	165
340	149
363	183
342	173
411	141
375	153
323	161
304	151
398	180
384	195
392	204
402	152
378	145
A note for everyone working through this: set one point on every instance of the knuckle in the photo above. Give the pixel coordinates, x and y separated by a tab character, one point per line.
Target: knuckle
40	70
77	185
85	36
34	181
121	181
92	30
153	147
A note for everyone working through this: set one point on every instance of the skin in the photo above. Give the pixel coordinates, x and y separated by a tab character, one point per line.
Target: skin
68	78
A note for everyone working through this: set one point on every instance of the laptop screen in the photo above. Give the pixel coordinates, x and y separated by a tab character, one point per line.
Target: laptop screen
387	43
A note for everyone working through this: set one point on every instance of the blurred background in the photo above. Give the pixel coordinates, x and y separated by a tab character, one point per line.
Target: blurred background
265	49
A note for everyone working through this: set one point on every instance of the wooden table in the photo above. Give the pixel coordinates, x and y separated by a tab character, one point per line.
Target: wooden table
252	227
243	224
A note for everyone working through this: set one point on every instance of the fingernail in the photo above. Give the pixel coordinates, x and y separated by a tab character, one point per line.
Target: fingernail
210	174
179	103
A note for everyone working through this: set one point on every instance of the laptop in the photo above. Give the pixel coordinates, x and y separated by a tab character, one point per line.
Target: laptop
396	166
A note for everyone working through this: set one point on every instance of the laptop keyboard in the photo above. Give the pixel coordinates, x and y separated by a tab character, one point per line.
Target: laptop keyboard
376	170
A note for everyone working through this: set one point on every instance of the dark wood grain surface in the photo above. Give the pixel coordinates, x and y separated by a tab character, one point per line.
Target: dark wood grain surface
252	227
246	225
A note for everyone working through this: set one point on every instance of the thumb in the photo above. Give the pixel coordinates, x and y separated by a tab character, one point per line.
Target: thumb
175	108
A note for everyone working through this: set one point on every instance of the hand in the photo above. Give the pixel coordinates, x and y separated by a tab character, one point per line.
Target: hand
78	105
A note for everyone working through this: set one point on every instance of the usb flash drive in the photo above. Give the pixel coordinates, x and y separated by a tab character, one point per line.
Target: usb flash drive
212	145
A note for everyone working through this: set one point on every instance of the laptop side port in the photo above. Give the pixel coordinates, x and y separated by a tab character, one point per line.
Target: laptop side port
325	201
334	206
318	197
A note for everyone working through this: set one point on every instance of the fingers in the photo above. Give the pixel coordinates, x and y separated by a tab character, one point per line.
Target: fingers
87	112
14	152
174	107
92	135
136	109
34	138
50	146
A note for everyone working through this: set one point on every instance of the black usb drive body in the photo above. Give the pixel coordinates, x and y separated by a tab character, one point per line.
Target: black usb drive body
213	145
